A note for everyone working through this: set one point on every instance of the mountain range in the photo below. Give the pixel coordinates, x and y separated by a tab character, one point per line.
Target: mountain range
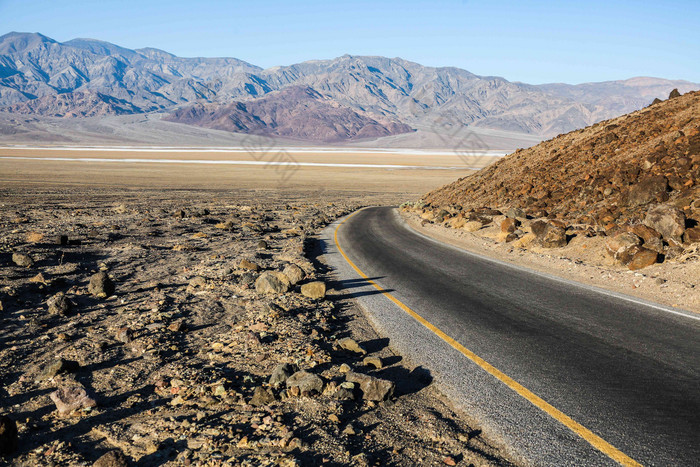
348	98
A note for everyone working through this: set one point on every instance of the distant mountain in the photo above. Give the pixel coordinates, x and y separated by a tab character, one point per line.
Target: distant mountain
296	112
384	93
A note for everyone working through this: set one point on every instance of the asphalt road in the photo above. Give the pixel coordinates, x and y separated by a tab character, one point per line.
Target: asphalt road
627	370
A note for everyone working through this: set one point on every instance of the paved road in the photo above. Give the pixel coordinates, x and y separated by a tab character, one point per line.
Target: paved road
628	371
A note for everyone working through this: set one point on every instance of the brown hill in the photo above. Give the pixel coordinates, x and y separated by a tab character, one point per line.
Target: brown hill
296	112
637	173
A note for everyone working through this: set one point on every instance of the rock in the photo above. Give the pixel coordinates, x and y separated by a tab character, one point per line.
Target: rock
373	389
667	220
344	368
347	343
350	429
38	279
272	282
692	235
262	245
71	398
124	335
281	374
656	101
262	396
674	94
525	241
8	436
314	290
178	325
58	366
248	265
112	459
294	273
449	460
22	260
509	225
101	285
648	190
376	362
61	240
306	382
548	235
623	246
515	212
197	281
473	226
650	237
59	304
642	259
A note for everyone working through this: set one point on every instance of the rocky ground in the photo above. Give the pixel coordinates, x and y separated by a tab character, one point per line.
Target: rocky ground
633	181
191	328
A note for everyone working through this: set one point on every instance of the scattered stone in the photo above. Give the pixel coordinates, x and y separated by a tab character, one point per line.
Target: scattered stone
262	245
449	460
197	281
113	458
59	304
667	220
306	382
515	212
38	279
101	285
642	259
248	265
8	436
22	260
294	273
472	226
262	396
271	282
314	290
350	429
373	389
344	368
58	366
347	343
124	335
376	362
71	398
281	374
34	237
177	326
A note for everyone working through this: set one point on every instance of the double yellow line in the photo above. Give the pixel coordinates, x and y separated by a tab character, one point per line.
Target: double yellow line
593	439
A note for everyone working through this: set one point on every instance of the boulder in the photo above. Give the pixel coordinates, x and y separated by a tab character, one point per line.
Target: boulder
648	190
281	374
262	396
692	235
373	389
272	282
667	220
294	273
351	345
58	366
71	398
315	290
113	458
509	225
515	212
8	436
59	304
22	260
651	238
306	382
101	285
642	259
472	226
248	265
623	246
548	235
674	94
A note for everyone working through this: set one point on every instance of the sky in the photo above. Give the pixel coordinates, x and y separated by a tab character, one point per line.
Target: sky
529	41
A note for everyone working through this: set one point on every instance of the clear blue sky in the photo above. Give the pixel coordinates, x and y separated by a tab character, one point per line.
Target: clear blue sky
530	41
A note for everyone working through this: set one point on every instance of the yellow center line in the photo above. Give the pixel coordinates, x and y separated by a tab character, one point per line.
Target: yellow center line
593	439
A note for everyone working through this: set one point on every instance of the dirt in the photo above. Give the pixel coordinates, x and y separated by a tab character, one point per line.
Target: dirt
672	283
175	363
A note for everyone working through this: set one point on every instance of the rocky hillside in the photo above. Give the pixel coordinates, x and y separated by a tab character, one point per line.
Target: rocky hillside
296	112
635	179
33	66
74	104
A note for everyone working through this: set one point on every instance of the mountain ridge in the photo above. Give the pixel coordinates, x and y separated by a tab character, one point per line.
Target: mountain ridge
398	91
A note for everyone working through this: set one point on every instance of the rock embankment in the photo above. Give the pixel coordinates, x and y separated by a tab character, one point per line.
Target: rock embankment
634	180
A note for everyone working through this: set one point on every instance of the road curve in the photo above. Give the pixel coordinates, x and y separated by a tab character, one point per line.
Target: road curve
624	370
